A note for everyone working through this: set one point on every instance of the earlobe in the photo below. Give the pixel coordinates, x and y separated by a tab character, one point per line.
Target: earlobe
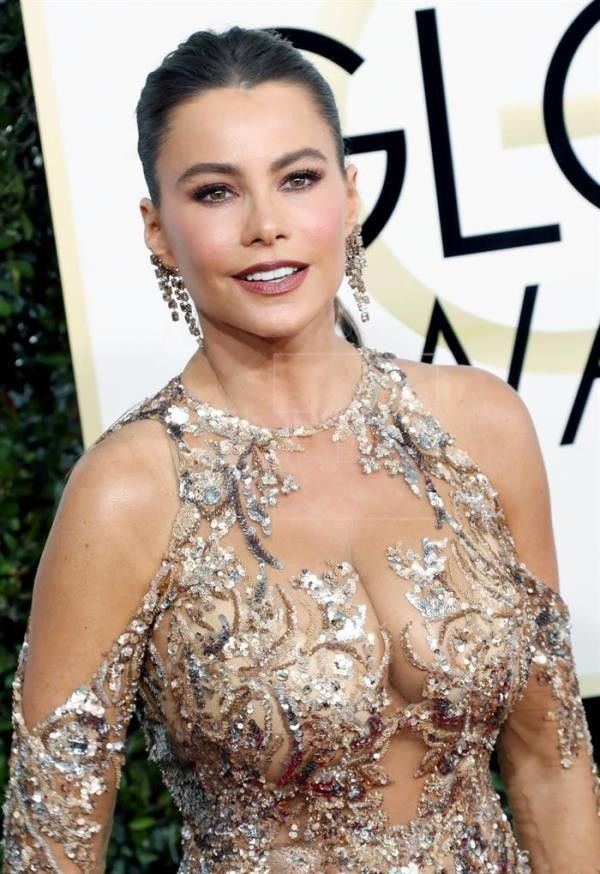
149	217
153	233
353	199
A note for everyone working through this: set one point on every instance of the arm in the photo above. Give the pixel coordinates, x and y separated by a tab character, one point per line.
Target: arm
94	598
544	749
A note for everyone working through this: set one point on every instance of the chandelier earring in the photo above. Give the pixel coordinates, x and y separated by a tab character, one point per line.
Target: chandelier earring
176	295
355	264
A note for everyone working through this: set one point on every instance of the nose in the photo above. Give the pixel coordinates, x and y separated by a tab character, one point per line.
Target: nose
264	222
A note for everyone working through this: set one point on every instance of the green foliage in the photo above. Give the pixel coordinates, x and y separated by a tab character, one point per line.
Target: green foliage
40	436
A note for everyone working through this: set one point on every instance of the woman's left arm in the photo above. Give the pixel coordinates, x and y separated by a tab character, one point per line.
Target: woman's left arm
544	748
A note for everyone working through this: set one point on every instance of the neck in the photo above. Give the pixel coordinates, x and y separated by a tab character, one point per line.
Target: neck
275	383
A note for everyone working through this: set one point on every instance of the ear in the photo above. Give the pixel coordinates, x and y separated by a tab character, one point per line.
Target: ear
154	235
352	199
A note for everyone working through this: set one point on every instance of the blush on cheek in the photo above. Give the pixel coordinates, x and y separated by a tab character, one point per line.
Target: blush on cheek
326	227
206	247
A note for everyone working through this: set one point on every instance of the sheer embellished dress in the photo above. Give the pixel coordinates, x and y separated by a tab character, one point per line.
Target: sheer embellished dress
339	632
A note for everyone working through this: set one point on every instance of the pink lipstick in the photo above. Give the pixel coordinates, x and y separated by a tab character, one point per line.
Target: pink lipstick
272	277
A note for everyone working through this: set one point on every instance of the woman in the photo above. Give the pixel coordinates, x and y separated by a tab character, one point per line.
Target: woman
329	612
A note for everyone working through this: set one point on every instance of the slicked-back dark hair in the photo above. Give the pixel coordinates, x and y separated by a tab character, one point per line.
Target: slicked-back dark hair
238	57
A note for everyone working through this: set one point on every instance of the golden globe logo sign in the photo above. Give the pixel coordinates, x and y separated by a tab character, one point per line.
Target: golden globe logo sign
455	242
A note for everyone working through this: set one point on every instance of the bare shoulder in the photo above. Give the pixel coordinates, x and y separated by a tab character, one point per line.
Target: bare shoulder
128	467
105	546
118	505
491	422
477	407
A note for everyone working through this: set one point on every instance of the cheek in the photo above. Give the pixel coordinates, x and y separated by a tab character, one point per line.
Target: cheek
328	225
325	229
202	242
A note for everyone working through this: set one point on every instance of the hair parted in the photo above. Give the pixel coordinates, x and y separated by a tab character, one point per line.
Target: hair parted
238	57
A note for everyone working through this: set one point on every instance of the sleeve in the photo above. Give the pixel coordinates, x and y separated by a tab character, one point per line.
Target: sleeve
545	749
65	769
101	579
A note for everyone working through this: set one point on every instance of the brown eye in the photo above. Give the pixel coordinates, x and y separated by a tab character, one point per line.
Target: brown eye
302	179
298	181
211	194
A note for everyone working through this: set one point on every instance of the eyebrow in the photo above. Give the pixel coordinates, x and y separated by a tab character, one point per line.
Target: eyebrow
232	170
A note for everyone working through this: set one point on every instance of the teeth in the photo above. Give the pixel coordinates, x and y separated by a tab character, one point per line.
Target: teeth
279	273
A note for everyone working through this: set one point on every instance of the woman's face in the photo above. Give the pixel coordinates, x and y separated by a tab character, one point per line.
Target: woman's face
250	182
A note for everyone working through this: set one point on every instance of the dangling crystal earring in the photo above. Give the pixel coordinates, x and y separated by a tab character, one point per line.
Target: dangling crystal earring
355	264
170	281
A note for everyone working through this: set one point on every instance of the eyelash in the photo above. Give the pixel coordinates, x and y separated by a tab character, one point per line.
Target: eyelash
202	194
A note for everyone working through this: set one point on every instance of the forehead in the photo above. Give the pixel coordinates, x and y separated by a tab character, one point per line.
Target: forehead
243	125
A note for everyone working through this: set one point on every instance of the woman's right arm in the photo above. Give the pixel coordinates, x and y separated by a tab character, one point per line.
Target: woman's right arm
95	595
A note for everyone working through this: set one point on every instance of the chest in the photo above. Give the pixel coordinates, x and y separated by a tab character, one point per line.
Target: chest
347	599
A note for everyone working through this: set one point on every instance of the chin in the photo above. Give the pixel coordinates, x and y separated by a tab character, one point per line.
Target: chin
283	326
290	333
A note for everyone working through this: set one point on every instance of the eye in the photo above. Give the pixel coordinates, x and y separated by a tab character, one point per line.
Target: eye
301	179
211	194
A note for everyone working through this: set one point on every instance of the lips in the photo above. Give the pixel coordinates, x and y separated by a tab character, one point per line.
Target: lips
272	277
267	266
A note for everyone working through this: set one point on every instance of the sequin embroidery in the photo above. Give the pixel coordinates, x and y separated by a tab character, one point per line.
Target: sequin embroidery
265	699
